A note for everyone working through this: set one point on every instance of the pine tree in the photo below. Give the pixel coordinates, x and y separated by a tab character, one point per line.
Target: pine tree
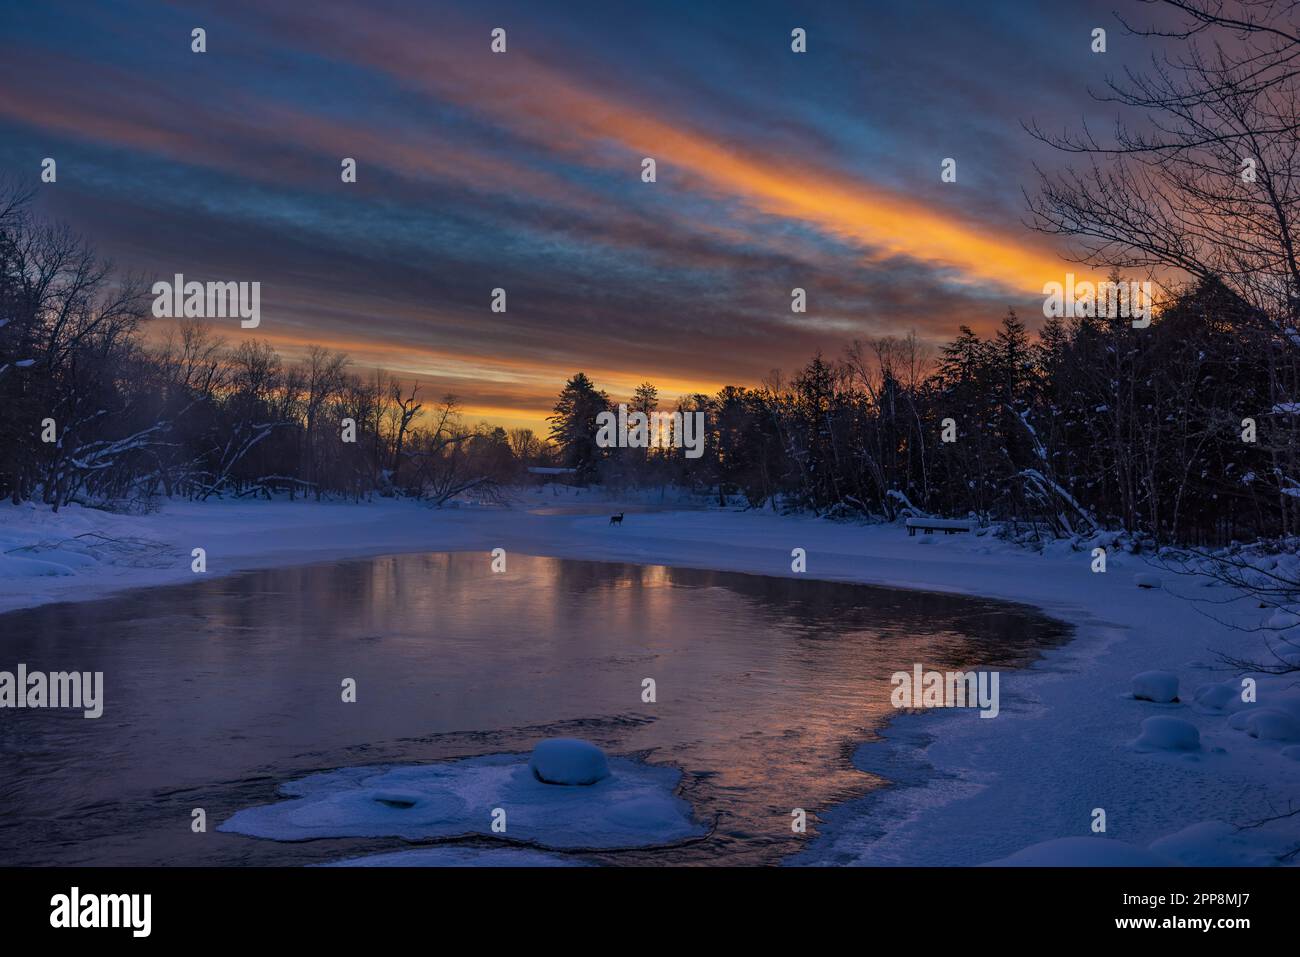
574	425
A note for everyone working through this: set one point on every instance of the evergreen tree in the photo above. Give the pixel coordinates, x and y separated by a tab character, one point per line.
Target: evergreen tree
574	426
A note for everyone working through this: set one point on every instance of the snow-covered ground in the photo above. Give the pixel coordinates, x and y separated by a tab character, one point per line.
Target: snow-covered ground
1070	738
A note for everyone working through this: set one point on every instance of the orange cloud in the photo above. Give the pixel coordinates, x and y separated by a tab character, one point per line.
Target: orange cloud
539	103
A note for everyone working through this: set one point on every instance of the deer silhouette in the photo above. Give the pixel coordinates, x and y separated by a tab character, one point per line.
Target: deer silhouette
616	519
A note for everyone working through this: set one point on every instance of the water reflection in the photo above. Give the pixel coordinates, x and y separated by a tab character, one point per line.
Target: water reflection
216	692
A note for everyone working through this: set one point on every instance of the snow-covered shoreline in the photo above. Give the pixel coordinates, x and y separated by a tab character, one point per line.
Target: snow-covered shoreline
975	791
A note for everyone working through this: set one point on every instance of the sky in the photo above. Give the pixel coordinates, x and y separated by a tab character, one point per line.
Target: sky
523	171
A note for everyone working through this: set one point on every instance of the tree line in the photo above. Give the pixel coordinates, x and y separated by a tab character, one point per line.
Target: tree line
1183	430
94	414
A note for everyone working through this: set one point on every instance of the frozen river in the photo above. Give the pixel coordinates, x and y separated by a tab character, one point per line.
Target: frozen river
217	692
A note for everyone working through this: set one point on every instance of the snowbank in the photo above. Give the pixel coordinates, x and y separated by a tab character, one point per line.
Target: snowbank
1205	844
1082	852
1217	844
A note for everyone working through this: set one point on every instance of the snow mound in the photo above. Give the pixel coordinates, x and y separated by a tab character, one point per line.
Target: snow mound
1283	703
633	807
1215	844
1146	580
1270	725
568	761
1217	696
460	857
1284	695
1163	733
1082	852
1159	686
1292	752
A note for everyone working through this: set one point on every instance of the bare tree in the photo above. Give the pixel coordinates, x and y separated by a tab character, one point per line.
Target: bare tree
1205	176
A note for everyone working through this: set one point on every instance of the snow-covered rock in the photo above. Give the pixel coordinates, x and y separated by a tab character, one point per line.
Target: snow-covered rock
1218	695
568	761
1239	720
1082	852
1163	733
1275	697
1268	724
634	806
1159	686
